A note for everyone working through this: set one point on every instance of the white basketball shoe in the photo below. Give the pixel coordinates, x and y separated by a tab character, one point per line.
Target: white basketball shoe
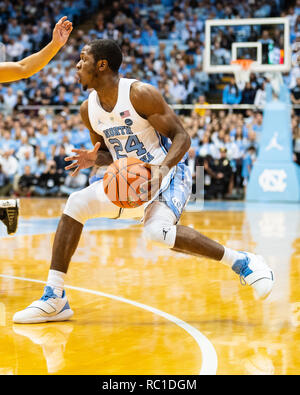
49	308
254	271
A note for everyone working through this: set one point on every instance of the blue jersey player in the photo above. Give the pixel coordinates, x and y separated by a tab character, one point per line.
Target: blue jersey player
129	118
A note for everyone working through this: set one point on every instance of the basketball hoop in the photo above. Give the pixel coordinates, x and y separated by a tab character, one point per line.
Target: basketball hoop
242	70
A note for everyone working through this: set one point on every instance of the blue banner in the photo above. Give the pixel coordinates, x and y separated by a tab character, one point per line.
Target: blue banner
275	176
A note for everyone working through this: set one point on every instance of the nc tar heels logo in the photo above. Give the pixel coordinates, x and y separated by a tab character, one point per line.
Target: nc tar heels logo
273	180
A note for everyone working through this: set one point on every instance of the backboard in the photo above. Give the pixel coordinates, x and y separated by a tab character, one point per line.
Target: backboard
266	41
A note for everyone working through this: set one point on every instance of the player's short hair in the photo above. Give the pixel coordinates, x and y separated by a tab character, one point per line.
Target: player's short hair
108	50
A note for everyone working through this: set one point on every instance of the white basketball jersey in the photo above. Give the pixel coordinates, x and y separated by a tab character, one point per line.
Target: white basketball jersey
125	132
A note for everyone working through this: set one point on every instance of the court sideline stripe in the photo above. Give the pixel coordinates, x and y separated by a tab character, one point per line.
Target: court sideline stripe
209	356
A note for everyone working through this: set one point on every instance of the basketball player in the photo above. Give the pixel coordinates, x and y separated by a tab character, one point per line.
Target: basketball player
25	68
127	118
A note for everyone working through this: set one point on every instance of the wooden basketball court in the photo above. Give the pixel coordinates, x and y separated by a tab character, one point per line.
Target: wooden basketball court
142	309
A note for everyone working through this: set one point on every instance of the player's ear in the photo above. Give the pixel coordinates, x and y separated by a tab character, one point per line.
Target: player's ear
102	64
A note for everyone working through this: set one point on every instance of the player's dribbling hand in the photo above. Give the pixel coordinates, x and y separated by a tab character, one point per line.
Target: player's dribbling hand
62	31
149	188
83	160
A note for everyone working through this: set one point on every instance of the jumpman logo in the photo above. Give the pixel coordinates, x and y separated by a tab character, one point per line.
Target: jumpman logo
165	231
274	143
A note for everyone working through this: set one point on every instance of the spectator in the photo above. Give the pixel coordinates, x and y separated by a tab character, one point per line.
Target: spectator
295	96
68	146
31	136
207	148
15	49
231	93
241	143
41	163
178	92
291	80
252	140
260	96
27	159
201	78
9	165
26	183
5	184
191	163
265	38
21	99
49	181
45	141
80	137
296	144
110	32
10	99
26	150
220	55
232	149
59	159
38	98
248	94
201	101
257	124
7	143
73	184
13	29
167	95
149	37
220	172
248	161
61	98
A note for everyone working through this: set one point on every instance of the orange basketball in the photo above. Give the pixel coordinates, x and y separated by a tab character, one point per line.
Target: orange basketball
122	182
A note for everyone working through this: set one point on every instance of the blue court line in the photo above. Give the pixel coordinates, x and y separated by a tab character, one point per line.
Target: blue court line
38	226
241	206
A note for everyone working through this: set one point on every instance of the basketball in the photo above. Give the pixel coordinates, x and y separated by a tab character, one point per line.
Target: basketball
122	182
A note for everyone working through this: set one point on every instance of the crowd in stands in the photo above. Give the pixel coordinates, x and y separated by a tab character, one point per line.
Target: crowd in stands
162	42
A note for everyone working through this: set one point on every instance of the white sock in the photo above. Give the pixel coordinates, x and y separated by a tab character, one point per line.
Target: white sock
56	280
230	256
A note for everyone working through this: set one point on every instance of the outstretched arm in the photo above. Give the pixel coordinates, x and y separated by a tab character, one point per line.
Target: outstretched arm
13	71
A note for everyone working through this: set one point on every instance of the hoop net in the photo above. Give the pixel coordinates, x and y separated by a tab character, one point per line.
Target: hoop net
242	70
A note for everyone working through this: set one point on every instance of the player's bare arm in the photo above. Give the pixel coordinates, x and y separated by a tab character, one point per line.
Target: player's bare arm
13	71
150	104
98	156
